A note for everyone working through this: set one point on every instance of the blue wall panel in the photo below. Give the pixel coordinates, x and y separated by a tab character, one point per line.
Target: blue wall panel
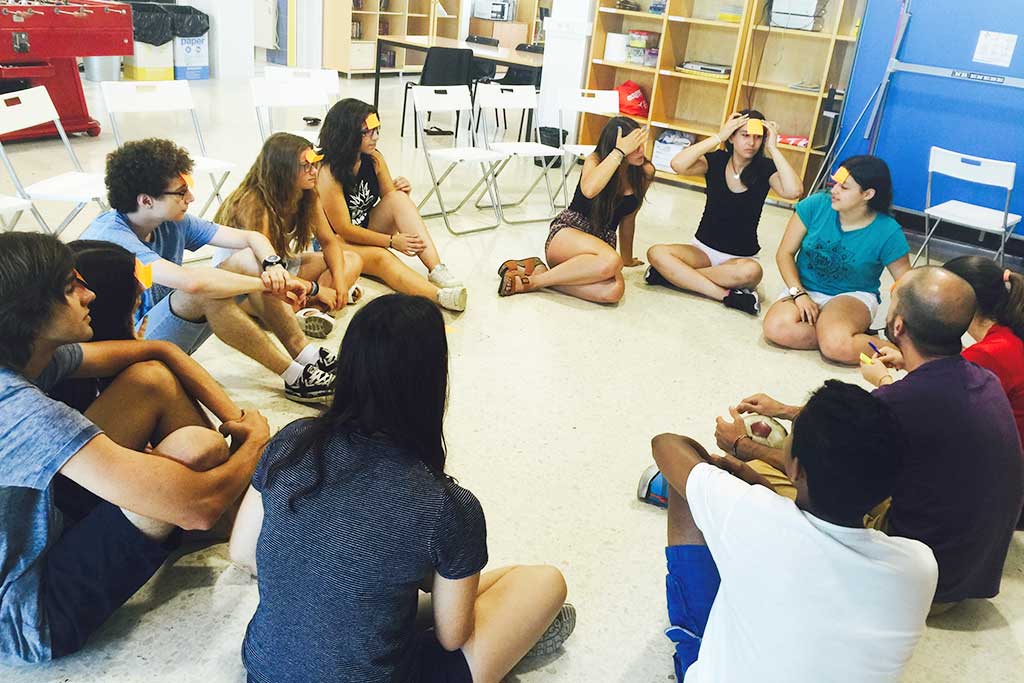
921	111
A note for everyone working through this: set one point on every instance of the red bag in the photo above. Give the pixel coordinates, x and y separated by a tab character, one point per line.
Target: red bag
632	100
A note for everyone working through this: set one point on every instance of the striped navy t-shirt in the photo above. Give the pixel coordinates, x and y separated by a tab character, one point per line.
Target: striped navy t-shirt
339	577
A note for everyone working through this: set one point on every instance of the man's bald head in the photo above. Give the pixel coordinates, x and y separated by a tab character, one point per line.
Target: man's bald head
936	308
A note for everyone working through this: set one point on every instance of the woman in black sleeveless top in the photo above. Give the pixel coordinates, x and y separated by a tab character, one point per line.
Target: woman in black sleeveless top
721	263
581	244
372	212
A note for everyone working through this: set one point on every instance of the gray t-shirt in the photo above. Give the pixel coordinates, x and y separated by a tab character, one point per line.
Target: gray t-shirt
37	436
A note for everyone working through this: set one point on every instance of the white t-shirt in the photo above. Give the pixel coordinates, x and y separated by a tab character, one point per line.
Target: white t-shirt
802	600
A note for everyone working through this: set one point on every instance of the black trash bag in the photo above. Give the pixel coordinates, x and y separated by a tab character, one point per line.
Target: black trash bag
152	23
189	22
550	136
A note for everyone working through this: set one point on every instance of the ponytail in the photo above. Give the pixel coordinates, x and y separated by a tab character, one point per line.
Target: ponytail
1012	313
999	292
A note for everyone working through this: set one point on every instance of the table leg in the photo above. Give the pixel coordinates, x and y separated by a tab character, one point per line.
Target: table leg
376	76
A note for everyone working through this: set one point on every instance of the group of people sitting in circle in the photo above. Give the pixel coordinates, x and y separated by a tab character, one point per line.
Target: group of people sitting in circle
365	582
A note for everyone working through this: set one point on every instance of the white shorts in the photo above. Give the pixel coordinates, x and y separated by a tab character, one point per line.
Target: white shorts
716	257
866	298
222	254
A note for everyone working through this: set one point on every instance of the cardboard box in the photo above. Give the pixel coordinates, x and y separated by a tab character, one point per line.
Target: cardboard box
669	144
150	63
191	58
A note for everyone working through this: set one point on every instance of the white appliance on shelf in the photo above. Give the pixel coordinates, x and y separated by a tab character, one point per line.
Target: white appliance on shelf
804	15
495	10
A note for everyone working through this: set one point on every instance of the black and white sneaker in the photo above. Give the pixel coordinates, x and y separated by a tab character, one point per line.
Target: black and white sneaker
557	633
745	300
653	277
312	386
327	362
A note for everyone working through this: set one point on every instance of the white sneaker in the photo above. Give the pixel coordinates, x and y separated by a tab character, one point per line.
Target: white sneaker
312	386
441	277
314	322
452	298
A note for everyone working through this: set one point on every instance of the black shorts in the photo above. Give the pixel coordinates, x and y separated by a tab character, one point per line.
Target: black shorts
437	665
92	569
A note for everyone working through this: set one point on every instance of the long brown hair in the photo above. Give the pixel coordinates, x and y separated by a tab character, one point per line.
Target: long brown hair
999	291
603	207
269	193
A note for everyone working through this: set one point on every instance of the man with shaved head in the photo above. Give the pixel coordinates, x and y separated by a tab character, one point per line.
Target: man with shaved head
962	483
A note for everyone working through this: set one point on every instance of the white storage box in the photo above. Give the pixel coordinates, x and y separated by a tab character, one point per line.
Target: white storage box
669	144
150	63
615	47
191	58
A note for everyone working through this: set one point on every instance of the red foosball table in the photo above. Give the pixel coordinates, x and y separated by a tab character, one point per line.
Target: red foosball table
39	41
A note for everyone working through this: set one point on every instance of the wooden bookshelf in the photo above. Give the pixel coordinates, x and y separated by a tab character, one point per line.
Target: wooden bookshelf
352	56
527	17
766	61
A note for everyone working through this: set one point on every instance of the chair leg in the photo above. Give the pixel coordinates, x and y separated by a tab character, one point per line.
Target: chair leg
445	212
215	194
41	221
70	217
405	103
924	246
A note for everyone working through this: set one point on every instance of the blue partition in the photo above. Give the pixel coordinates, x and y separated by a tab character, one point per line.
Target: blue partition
921	111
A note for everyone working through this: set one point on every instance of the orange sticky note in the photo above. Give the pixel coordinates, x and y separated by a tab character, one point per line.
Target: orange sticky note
372	121
188	180
755	127
144	274
449	329
312	157
841	175
78	276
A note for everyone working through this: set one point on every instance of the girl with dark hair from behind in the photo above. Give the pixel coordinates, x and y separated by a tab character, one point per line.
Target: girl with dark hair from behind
581	243
372	213
831	259
351	514
722	261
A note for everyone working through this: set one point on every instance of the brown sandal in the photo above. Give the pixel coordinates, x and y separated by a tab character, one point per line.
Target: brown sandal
528	265
507	287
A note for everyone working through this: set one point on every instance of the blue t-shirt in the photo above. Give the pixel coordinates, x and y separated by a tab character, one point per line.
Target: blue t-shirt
169	242
38	435
833	261
339	575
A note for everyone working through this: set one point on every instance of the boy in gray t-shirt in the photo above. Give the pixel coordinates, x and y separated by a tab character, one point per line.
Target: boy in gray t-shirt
59	583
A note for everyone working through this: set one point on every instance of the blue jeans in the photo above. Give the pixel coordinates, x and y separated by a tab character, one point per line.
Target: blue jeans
690	587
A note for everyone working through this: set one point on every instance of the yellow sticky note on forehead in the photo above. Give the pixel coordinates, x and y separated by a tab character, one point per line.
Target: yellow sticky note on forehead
188	180
841	175
755	127
144	274
312	157
372	121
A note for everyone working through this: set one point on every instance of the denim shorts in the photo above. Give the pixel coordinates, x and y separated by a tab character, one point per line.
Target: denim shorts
690	586
165	325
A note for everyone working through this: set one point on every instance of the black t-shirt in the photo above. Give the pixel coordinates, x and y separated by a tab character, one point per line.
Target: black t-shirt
730	219
963	476
339	576
364	192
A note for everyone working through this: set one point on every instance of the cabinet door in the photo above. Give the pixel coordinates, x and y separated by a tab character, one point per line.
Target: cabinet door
361	56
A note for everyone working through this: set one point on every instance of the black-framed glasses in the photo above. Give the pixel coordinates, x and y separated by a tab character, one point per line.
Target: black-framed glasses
178	193
307	167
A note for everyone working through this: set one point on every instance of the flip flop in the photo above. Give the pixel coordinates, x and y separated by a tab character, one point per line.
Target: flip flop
434	130
314	323
528	264
507	286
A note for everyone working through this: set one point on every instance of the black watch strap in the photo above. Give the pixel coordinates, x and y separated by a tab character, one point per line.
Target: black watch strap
271	261
315	289
798	295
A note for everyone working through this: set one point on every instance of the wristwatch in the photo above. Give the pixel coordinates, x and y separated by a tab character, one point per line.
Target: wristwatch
271	261
794	292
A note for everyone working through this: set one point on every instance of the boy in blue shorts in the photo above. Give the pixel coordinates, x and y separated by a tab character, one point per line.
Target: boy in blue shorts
764	589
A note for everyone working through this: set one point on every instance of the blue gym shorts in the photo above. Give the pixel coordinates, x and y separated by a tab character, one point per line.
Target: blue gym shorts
690	587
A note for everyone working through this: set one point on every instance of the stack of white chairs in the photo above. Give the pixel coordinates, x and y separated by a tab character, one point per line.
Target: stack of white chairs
284	87
575	102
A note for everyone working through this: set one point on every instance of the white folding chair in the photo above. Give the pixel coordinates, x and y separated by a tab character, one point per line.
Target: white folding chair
122	97
11	209
978	170
269	94
32	107
578	102
455	99
523	97
326	79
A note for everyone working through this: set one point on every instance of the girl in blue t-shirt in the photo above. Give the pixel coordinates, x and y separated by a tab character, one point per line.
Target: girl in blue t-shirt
831	259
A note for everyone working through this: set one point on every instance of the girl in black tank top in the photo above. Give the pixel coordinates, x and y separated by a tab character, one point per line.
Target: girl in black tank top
721	263
580	248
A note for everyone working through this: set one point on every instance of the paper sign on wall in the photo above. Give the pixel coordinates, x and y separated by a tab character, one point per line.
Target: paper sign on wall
995	48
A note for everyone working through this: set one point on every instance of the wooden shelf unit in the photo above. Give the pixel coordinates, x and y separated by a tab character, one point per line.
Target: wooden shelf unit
399	17
766	61
527	17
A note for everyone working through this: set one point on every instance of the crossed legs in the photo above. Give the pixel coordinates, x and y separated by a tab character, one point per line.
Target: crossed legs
382	264
689	268
581	265
395	212
314	268
839	332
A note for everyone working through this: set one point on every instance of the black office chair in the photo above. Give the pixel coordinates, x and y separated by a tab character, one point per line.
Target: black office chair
482	68
443	66
517	75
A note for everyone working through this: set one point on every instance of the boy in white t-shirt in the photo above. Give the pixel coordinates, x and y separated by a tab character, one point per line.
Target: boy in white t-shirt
762	589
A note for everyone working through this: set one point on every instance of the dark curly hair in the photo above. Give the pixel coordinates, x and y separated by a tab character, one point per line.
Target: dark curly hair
341	137
143	167
35	271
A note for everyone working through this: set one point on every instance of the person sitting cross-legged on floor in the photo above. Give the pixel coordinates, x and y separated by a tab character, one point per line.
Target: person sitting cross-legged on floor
144	448
762	589
149	188
962	483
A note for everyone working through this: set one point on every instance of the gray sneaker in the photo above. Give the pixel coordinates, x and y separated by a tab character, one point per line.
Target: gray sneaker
557	633
452	298
441	277
313	385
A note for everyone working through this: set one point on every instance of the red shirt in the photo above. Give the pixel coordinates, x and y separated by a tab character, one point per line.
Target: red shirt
1002	352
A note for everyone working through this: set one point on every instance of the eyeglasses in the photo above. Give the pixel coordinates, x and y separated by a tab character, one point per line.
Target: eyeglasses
178	193
369	132
307	167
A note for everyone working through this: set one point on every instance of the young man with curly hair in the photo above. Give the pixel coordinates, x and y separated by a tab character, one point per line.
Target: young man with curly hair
149	189
156	468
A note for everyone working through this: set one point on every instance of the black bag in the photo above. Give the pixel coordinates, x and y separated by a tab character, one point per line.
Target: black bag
189	22
550	136
152	23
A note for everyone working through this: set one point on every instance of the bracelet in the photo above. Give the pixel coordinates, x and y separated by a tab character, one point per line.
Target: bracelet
314	288
624	155
717	137
798	295
736	443
390	240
